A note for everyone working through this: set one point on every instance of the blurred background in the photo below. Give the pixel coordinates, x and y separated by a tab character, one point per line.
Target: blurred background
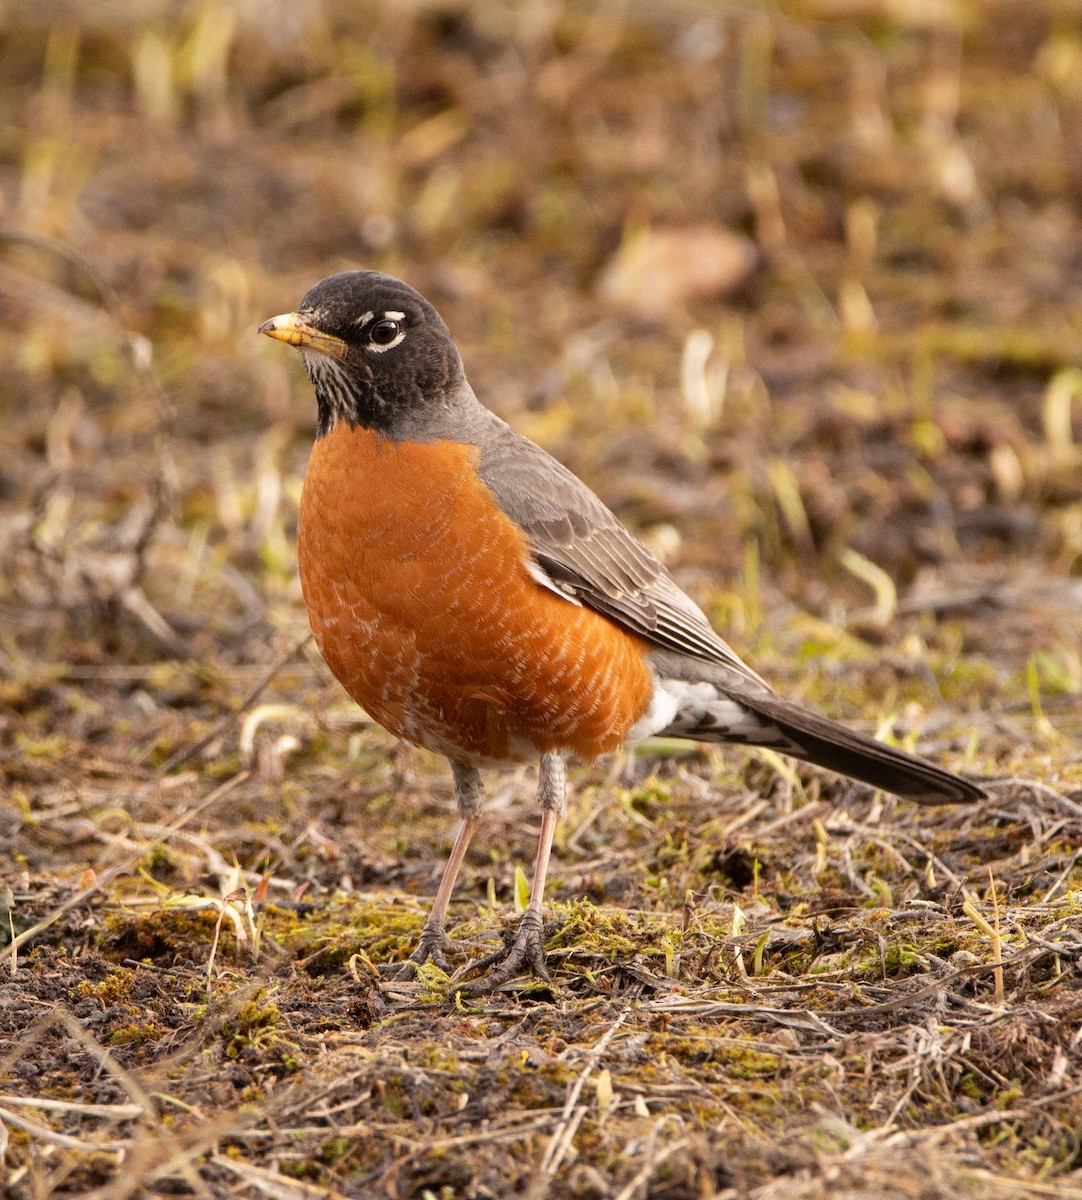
796	284
796	287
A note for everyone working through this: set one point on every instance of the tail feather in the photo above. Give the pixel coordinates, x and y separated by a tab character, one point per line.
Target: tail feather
766	720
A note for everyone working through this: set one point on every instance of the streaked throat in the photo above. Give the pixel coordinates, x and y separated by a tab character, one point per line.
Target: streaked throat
338	390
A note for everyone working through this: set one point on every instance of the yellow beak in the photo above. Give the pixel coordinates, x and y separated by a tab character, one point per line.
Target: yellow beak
296	330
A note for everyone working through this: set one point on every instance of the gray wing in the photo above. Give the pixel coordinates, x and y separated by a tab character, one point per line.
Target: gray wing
586	553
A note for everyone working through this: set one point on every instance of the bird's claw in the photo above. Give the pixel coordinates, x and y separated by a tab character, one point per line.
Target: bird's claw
432	947
527	950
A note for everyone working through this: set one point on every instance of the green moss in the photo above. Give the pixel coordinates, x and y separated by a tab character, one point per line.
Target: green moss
160	858
697	1047
334	1149
255	1025
324	942
650	799
114	989
393	1097
594	931
162	935
901	958
136	1033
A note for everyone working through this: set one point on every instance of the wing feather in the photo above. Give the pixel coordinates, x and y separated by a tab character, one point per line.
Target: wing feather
586	552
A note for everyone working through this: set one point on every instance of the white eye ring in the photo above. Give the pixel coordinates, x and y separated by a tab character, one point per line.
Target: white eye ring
389	324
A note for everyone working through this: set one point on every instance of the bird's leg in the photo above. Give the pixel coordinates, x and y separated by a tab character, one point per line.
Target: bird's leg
434	943
528	948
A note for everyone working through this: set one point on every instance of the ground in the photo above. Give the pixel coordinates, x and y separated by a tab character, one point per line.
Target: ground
797	288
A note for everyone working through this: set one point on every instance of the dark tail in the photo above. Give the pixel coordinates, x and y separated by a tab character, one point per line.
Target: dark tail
817	739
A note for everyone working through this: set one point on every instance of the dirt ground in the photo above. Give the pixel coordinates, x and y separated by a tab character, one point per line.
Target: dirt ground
797	288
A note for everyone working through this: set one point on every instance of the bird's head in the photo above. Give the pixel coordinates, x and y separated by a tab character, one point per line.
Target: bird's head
377	353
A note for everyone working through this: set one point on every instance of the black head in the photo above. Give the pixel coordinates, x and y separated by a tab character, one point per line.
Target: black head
377	353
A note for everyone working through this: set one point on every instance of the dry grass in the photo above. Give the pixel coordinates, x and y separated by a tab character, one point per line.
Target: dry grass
864	457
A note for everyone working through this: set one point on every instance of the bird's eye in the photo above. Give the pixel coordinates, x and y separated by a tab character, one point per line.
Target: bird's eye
383	333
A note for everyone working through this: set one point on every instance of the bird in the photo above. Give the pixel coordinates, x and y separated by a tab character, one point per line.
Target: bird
476	598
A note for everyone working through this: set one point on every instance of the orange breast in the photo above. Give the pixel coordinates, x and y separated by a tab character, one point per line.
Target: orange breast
421	603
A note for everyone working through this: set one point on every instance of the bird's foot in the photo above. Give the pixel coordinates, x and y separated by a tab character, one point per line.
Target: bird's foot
527	950
433	947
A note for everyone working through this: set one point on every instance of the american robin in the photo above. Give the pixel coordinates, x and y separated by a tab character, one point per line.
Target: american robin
478	599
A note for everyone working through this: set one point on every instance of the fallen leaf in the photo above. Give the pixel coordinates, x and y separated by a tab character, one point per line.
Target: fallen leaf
658	270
